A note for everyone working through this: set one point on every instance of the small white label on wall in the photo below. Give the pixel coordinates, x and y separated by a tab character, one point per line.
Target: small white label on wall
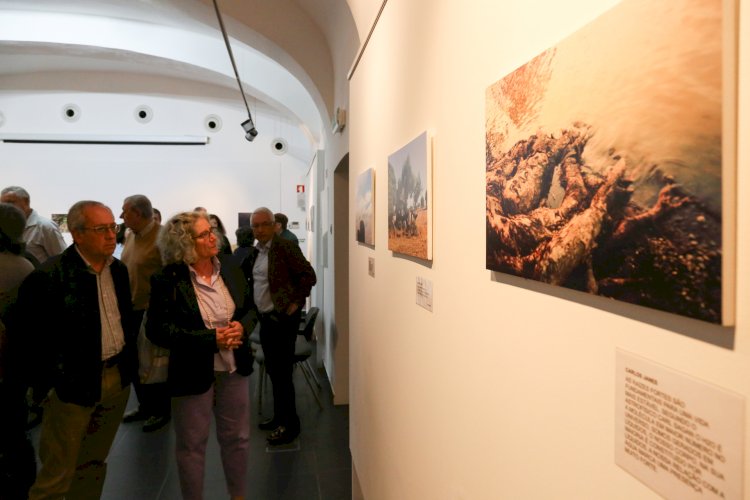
680	436
371	266
424	293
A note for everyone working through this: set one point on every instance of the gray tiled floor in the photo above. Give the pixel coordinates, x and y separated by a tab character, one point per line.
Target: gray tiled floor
317	466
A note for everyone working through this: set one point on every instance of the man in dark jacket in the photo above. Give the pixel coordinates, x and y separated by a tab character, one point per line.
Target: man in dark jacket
281	279
81	354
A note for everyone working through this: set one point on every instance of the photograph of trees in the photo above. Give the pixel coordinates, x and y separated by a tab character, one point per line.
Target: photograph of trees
409	209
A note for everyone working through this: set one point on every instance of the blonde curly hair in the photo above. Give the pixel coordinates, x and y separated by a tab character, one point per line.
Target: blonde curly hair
175	241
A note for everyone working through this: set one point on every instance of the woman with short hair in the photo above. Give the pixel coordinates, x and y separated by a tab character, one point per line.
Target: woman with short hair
202	310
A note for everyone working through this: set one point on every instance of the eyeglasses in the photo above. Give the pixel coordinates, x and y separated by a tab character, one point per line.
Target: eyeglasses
103	229
204	234
267	223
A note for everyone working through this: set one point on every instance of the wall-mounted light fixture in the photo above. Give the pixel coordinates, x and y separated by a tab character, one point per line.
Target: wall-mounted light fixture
339	121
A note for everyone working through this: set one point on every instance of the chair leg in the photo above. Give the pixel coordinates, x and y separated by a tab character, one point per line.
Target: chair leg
311	371
309	383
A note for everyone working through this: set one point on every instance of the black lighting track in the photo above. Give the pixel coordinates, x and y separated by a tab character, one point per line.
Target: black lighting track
110	141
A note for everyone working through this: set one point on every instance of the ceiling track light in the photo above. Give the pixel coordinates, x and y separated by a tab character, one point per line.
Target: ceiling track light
248	126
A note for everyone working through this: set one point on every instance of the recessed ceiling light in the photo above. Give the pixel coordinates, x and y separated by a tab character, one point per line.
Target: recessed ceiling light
71	112
143	114
278	146
212	123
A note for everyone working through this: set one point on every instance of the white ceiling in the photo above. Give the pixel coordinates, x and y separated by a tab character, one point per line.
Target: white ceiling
48	45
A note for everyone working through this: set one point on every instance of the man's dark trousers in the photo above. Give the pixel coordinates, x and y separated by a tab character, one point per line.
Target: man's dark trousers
278	334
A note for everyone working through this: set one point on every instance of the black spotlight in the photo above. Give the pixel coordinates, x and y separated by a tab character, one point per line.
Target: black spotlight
249	127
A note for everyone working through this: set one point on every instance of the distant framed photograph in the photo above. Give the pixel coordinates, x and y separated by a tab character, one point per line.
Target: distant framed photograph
62	222
243	219
364	215
410	198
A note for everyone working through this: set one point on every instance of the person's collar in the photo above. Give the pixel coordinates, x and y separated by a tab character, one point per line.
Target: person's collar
216	267
146	229
109	261
264	246
32	219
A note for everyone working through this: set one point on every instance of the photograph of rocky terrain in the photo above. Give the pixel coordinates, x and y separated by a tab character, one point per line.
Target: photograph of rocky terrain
603	160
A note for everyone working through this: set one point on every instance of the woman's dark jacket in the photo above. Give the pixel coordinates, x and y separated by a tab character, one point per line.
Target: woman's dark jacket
174	321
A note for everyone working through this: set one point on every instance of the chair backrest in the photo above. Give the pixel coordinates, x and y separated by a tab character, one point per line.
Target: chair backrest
307	327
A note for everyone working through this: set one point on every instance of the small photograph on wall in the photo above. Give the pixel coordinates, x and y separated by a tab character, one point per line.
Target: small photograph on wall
243	219
410	199
604	161
364	215
62	222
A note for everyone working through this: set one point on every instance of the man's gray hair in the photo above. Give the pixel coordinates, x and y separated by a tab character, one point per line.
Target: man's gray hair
18	191
76	219
264	210
141	204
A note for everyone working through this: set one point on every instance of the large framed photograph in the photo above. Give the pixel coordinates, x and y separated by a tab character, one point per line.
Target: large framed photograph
364	216
610	163
410	199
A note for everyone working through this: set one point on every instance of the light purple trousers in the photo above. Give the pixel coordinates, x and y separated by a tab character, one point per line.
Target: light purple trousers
229	399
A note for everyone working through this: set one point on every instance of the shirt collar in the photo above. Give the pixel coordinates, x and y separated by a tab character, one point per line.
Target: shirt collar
214	261
146	229
32	219
110	259
264	246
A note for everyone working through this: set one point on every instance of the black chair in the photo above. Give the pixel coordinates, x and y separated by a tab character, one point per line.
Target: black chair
302	353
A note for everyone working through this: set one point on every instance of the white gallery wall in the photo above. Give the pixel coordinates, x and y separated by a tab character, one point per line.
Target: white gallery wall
227	176
506	389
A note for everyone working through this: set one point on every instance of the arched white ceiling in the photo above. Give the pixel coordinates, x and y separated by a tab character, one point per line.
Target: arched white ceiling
176	39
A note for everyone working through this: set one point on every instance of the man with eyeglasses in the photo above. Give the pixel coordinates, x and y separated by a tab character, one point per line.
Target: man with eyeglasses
81	354
281	279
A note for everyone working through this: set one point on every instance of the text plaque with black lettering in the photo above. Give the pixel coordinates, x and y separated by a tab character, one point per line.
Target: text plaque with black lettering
680	436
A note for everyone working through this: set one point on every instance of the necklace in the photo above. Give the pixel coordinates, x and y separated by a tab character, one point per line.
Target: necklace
206	277
202	305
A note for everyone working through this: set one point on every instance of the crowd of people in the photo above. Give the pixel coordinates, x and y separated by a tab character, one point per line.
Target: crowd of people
172	317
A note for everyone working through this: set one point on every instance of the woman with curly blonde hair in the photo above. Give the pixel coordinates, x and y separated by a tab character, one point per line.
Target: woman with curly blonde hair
202	311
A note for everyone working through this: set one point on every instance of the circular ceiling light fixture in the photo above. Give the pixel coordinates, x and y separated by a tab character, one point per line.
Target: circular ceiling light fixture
143	114
212	123
71	112
279	146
